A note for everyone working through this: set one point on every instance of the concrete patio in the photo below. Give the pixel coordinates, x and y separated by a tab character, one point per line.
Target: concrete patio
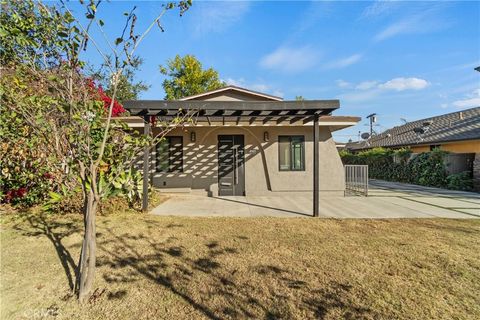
385	200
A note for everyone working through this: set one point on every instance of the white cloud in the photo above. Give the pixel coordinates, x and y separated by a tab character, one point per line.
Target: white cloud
403	26
217	16
290	59
343	84
426	21
278	93
360	96
371	89
401	84
365	85
472	100
235	82
344	62
258	86
379	8
397	84
467	103
240	82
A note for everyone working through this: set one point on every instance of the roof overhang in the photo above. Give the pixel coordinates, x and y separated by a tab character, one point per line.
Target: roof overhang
338	122
234	112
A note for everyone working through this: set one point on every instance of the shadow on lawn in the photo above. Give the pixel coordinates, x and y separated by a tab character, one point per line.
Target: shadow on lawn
55	232
210	280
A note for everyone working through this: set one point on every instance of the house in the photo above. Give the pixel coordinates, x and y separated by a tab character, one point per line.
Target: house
457	132
242	142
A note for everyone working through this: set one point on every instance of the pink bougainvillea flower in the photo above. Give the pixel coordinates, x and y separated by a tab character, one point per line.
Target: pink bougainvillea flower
117	108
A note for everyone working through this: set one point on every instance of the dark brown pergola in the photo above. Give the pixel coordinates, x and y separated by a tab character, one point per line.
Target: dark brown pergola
265	112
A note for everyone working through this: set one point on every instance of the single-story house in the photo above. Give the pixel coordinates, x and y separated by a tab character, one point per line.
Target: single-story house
242	142
457	132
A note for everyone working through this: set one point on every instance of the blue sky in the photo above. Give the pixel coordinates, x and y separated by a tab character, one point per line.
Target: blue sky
399	59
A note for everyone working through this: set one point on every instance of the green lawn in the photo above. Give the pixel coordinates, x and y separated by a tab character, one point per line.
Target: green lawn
187	268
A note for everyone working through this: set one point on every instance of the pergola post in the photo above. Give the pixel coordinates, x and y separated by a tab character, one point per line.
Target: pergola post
316	167
146	165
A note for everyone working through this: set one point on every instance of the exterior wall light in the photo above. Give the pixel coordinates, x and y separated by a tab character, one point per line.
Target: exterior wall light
193	136
266	138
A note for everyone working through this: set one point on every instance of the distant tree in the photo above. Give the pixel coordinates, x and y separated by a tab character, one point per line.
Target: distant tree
186	77
127	88
299	98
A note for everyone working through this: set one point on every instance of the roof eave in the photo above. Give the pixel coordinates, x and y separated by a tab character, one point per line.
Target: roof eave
230	87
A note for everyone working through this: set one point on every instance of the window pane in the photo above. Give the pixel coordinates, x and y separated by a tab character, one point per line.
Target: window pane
284	153
176	154
162	155
296	155
169	156
291	153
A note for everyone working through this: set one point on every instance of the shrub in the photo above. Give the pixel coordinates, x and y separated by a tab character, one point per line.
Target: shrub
122	190
27	171
460	181
427	169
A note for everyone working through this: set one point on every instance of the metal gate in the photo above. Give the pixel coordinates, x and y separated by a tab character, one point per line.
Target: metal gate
356	179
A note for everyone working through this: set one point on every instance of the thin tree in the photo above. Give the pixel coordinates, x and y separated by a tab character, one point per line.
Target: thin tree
42	46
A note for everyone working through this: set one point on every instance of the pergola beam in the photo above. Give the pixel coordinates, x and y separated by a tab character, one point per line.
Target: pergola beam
139	105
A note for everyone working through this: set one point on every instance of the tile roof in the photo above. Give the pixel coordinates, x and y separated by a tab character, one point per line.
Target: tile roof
456	126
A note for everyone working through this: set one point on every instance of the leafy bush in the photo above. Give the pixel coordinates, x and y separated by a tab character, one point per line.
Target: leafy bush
460	181
427	169
123	190
27	172
64	202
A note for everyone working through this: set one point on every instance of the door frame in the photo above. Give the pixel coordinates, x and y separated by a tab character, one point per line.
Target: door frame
240	165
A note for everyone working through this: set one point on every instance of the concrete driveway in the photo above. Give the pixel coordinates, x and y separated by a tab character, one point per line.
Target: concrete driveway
385	200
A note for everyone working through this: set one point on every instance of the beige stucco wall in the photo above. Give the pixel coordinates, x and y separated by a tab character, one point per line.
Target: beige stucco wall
262	174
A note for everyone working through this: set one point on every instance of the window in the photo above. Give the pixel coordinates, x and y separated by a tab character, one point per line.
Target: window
291	153
169	155
434	147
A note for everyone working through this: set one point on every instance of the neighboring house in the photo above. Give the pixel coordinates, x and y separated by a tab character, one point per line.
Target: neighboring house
340	145
245	143
457	132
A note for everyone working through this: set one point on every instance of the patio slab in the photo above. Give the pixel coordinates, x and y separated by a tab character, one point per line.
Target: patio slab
383	202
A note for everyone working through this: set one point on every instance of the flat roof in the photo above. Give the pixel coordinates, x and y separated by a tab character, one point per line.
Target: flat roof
136	106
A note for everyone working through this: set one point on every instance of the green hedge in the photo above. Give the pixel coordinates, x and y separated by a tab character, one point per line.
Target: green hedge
426	169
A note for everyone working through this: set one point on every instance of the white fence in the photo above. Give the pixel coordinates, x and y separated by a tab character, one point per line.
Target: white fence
356	179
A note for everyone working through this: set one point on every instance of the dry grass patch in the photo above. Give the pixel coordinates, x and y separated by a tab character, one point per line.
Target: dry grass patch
184	268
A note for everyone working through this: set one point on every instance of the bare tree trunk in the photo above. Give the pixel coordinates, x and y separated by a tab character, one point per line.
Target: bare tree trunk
87	262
